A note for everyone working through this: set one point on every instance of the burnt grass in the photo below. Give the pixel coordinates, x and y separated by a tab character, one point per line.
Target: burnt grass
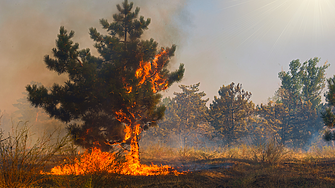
219	172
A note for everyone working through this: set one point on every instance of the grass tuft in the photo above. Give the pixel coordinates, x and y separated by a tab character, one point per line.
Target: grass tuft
271	152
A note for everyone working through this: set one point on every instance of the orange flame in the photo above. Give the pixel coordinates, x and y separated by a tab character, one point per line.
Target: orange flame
150	71
98	161
128	88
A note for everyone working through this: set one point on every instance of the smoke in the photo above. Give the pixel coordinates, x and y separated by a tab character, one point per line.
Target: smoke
197	138
317	141
28	30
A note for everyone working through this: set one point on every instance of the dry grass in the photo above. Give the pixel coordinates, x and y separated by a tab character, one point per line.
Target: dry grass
271	152
20	161
245	173
266	165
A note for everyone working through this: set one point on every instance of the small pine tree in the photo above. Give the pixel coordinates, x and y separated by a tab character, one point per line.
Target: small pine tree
230	112
187	110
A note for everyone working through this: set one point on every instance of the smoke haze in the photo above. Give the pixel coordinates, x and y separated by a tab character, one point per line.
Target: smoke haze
219	42
28	30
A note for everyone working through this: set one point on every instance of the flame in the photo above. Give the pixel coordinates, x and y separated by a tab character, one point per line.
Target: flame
128	88
127	130
150	71
98	161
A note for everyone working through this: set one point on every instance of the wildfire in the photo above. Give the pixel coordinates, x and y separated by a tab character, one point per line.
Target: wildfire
97	161
150	71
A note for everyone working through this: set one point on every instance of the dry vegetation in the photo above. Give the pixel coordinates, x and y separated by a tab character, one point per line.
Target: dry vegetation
21	161
267	165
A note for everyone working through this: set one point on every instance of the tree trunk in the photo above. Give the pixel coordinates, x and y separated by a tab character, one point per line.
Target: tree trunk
134	146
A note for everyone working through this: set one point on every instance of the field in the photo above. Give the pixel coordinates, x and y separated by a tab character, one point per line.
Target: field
267	165
242	166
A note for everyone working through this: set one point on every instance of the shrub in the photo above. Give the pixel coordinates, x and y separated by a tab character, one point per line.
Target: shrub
21	163
270	152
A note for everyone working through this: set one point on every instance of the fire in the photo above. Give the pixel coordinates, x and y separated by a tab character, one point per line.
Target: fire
127	87
97	161
150	71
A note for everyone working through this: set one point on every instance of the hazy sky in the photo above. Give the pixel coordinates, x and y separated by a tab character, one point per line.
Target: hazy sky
219	41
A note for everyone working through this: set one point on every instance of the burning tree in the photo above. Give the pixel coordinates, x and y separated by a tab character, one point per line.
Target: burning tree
114	96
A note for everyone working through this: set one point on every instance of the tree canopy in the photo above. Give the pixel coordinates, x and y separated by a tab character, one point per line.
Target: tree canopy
119	87
230	113
184	123
299	98
328	115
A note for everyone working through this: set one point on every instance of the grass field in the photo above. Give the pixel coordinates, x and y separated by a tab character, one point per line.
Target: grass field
248	167
267	165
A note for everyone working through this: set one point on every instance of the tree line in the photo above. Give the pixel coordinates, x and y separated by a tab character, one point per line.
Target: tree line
291	116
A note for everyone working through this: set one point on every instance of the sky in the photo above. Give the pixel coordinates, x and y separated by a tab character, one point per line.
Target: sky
219	41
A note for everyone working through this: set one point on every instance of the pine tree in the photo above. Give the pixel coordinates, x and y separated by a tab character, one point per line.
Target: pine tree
328	115
313	80
117	89
230	113
185	113
300	93
270	124
287	126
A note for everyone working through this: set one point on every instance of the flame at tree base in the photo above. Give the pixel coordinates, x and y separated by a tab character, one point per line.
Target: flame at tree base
98	161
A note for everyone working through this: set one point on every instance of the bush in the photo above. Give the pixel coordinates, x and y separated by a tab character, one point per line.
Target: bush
21	163
270	152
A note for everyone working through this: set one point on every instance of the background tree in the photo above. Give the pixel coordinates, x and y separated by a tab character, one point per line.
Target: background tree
313	81
117	89
167	128
37	119
328	115
300	93
185	114
270	123
190	109
231	112
287	126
